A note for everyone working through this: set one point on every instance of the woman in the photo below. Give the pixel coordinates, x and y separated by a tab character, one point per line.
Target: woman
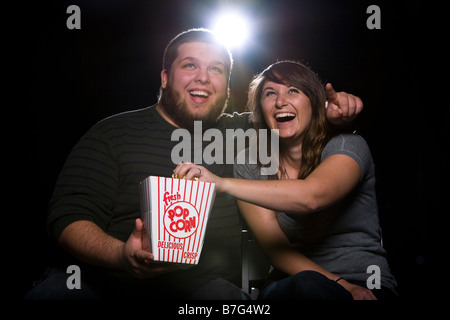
317	218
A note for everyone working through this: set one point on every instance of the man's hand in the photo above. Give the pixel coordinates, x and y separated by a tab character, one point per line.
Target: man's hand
342	107
138	262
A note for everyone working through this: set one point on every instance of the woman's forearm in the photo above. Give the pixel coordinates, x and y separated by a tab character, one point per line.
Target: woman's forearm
278	195
274	242
292	262
330	182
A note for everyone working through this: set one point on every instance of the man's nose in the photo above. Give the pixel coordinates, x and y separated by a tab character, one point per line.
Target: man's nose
202	76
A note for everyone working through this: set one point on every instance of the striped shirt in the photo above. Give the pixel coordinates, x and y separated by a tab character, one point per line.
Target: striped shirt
100	183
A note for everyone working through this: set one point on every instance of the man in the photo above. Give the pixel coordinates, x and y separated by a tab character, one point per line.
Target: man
94	212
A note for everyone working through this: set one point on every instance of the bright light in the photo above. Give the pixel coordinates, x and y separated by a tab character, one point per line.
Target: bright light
232	28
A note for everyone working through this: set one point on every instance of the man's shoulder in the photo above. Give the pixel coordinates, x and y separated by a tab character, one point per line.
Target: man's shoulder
135	118
129	115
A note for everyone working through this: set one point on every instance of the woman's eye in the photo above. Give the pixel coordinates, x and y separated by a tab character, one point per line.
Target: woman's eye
190	66
294	91
270	93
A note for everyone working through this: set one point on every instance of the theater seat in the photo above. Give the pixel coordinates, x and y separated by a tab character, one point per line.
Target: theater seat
255	265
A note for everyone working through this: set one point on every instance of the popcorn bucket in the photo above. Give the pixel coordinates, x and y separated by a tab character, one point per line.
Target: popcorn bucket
175	213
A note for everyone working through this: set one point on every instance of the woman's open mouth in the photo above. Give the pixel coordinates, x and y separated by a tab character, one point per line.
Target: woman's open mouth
284	117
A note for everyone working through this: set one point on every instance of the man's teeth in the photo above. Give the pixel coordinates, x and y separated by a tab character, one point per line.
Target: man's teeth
202	94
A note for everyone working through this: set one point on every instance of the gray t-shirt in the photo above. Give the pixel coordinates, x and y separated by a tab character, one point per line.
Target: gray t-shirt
345	239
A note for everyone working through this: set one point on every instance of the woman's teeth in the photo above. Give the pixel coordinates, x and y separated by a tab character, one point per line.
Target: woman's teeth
283	117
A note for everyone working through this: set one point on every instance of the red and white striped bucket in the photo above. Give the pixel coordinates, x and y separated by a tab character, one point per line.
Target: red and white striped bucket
175	213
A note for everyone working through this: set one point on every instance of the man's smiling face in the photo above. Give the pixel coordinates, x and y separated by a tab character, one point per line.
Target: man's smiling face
196	88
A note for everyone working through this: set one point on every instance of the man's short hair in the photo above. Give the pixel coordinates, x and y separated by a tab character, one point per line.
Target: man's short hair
195	35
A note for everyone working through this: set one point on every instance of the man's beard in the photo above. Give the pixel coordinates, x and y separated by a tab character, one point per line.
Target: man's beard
177	110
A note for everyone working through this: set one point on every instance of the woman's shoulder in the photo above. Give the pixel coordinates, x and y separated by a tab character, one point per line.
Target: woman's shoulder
350	144
347	141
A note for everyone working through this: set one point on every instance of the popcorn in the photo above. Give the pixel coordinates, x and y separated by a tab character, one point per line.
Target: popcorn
175	214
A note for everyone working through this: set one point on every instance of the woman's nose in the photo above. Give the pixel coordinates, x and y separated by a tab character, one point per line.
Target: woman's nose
281	100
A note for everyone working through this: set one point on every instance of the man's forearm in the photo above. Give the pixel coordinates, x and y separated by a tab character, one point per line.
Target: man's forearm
89	243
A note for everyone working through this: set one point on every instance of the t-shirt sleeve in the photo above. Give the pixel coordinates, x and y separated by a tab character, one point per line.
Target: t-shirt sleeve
246	170
352	145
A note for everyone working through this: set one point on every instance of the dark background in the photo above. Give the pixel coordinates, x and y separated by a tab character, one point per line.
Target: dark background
74	78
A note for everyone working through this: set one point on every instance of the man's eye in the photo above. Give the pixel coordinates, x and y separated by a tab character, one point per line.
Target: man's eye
216	70
190	66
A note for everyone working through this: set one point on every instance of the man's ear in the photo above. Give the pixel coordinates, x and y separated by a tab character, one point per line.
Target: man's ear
164	77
